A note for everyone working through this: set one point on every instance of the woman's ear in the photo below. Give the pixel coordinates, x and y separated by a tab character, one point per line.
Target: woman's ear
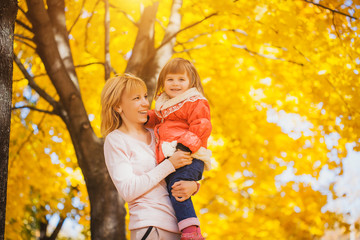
118	109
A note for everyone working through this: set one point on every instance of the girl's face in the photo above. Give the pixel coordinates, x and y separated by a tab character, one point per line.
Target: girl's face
176	83
134	106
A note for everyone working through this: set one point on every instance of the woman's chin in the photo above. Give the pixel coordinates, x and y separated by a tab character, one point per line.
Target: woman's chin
143	120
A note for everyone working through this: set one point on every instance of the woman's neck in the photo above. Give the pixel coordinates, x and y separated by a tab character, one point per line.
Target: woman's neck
132	128
137	131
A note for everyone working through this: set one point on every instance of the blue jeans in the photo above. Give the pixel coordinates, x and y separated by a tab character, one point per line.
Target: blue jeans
192	172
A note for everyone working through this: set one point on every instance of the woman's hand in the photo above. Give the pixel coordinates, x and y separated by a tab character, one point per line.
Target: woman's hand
183	190
180	159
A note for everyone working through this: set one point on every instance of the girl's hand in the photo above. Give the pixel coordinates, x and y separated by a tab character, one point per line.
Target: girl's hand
182	190
180	159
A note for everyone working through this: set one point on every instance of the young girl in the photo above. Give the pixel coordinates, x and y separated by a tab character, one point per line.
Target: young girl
181	120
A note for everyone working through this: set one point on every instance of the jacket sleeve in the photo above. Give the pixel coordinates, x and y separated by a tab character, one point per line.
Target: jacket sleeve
153	119
129	185
199	125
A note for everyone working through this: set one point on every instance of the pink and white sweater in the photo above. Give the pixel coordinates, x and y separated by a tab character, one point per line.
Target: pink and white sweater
132	167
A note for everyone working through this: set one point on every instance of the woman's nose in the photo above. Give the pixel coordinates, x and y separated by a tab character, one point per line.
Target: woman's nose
145	102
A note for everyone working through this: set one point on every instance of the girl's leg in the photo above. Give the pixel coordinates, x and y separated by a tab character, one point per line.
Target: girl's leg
184	211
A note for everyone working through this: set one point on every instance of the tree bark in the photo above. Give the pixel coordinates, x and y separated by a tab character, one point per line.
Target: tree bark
8	11
107	209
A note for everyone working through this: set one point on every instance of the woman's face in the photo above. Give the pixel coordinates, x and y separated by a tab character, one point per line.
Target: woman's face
134	106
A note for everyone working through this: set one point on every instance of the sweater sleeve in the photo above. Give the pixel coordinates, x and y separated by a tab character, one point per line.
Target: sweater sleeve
153	119
129	185
199	125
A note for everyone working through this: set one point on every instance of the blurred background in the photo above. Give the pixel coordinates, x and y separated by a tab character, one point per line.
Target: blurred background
282	79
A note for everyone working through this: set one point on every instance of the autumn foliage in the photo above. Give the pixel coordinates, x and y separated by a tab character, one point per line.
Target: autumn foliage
282	77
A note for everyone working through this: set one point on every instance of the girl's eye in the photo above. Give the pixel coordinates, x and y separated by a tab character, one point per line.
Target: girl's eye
136	98
146	96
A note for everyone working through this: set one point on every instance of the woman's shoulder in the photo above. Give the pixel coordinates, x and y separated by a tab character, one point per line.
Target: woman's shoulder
113	133
115	137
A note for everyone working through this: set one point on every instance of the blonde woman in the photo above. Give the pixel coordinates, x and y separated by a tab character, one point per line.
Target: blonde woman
130	158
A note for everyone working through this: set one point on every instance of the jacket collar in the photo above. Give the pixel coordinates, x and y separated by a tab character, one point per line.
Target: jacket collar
164	101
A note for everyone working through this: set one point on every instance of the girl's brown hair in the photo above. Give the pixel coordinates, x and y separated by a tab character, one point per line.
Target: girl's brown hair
175	66
111	99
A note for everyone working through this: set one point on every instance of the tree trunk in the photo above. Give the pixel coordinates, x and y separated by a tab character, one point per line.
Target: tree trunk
8	10
147	61
107	209
162	54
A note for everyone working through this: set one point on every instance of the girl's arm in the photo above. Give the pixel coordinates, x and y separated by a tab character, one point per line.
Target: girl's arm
199	125
129	185
153	119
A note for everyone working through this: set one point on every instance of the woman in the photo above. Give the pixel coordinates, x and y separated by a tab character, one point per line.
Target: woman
130	158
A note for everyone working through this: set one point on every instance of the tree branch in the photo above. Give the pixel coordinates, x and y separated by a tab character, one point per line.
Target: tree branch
23	37
129	17
185	50
217	30
27	44
341	97
113	70
190	49
33	84
78	16
43	227
57	229
26	141
36	109
332	10
88	64
23	25
194	37
22	10
87	25
168	39
336	31
161	24
24	78
333	86
340	39
265	56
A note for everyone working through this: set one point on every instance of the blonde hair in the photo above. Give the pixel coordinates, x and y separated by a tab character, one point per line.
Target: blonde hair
111	99
175	66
